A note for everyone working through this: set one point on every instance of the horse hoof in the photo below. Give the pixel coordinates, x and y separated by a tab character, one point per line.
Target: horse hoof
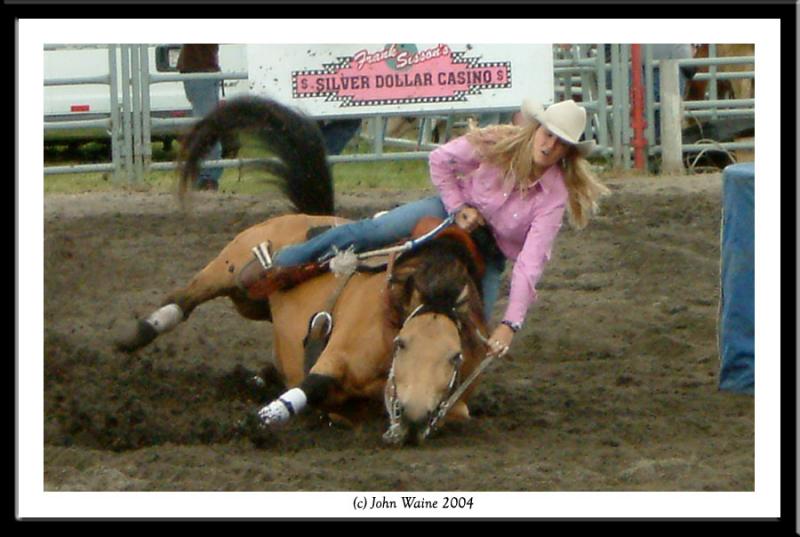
251	428
135	336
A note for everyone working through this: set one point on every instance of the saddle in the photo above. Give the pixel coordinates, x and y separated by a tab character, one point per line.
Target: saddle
260	284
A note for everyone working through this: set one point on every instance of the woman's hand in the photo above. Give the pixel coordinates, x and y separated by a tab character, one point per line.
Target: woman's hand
500	340
469	218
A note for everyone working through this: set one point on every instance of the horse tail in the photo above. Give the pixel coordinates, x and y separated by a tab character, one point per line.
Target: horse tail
303	174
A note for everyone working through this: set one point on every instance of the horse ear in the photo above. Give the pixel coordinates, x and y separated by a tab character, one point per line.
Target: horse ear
415	298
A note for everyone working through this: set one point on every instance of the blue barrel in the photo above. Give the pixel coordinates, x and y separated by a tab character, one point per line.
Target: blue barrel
737	304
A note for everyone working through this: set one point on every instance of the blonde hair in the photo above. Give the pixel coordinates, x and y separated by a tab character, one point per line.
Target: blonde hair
510	148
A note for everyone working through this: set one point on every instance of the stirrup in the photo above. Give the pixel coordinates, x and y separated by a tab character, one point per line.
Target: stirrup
262	253
255	269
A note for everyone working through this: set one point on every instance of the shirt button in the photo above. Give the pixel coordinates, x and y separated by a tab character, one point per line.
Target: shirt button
515	215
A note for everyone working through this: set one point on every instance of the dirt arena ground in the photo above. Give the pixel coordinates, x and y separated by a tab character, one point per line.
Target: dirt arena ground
611	385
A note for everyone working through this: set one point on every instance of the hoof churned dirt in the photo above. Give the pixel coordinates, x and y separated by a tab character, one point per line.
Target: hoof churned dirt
610	386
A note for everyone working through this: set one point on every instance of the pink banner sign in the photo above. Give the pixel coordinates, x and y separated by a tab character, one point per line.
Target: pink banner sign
399	74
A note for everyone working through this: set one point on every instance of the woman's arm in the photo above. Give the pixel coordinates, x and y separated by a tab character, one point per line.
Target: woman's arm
531	262
447	164
527	270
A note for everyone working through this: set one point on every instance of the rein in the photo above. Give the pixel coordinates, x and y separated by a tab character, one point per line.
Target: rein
409	244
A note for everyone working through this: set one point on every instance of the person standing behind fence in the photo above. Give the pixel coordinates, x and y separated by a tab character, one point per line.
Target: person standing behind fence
337	133
204	98
676	51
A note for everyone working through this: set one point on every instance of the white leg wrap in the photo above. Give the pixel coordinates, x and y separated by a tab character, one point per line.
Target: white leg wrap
284	407
166	318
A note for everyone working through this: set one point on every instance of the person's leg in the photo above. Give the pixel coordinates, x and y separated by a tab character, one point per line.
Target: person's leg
364	234
683	81
492	279
204	97
657	99
489	118
338	132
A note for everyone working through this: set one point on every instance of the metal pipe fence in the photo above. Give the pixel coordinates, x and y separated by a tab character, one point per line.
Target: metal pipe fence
583	72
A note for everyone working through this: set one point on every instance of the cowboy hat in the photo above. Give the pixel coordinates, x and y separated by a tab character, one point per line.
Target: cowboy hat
566	120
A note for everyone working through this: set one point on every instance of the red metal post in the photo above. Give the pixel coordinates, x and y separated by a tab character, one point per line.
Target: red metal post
638	122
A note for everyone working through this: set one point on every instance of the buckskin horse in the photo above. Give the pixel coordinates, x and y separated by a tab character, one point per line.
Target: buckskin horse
406	333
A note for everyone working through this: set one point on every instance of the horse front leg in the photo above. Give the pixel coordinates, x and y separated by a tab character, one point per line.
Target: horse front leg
328	391
308	387
354	363
313	391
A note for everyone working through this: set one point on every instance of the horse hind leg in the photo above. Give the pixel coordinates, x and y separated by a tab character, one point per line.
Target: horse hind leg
143	331
222	277
215	280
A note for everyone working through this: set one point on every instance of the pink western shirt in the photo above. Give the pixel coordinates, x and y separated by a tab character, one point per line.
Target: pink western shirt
524	226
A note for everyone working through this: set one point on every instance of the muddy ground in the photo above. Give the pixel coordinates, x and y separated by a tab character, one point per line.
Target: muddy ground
610	386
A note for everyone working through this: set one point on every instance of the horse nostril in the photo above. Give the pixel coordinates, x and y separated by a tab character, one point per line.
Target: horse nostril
418	424
414	435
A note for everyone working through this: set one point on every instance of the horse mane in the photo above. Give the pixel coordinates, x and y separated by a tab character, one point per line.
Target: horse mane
303	174
435	274
474	259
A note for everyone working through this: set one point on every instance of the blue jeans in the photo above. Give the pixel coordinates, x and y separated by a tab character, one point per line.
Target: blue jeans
204	97
682	82
655	95
372	233
492	278
494	118
338	132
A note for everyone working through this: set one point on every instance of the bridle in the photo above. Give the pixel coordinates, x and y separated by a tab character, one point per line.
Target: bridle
396	431
344	263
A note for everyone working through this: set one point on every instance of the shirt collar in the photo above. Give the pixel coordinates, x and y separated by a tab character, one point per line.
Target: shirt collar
550	175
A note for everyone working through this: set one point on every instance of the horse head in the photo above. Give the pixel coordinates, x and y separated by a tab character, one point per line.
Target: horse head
436	299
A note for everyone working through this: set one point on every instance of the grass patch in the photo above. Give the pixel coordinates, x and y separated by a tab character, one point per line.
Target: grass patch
350	176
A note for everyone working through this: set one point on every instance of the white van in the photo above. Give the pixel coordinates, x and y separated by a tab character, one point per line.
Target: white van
91	101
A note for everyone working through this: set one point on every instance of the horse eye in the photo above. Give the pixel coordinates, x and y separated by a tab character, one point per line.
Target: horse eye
456	359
